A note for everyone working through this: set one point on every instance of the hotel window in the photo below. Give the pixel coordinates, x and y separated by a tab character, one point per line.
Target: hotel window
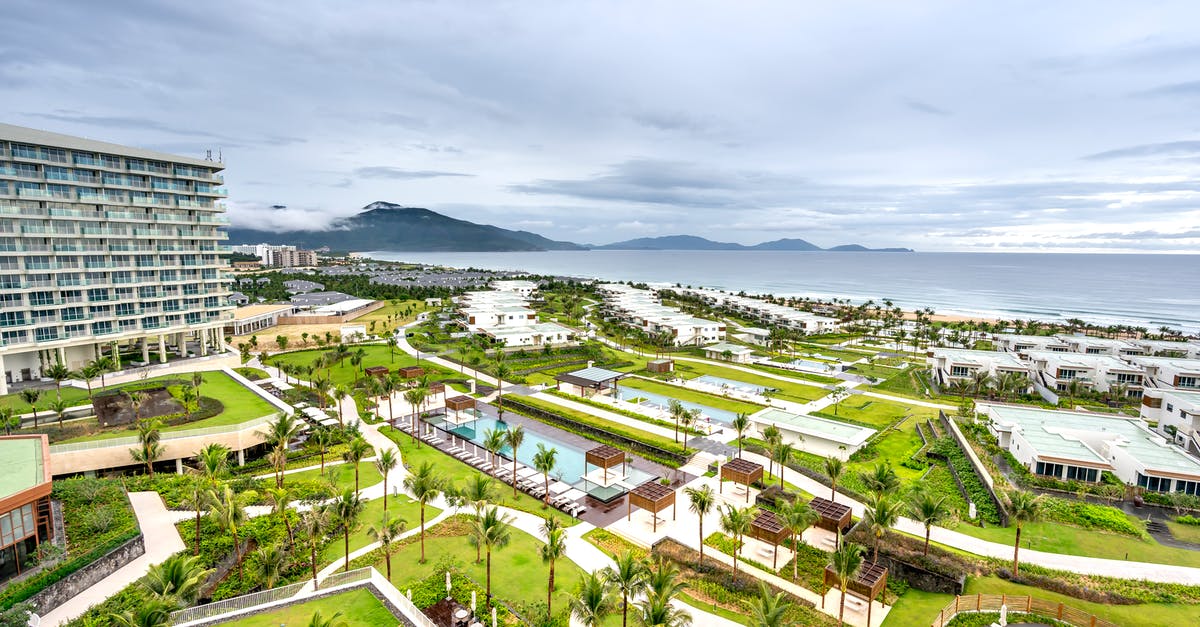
45	334
54	154
960	371
56	173
1154	484
1170	408
85	158
59	191
137	165
1048	470
101	328
1126	377
11	318
110	161
26	170
25	151
1187	487
1082	474
13	337
1188	382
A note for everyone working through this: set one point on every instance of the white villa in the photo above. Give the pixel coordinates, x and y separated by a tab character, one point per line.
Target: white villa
1177	414
1168	372
769	313
525	289
1077	446
754	335
737	353
956	364
1022	344
1167	348
819	436
504	317
641	309
1098	373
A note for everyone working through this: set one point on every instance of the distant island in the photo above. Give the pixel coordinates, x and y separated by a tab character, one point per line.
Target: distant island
389	226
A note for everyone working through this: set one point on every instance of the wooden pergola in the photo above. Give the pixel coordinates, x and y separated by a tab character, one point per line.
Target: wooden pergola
437	387
604	457
457	405
767	527
376	371
868	582
411	372
653	497
741	471
834	516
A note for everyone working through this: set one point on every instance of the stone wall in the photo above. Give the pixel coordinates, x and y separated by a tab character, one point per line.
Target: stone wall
922	579
66	589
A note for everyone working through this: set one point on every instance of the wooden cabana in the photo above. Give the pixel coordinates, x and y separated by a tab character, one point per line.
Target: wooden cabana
767	527
411	372
456	406
377	371
868	582
437	387
604	457
653	497
741	471
834	516
661	365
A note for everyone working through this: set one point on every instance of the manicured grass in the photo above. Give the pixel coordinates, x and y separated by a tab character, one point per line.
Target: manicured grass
916	607
457	473
1187	533
376	355
343	475
799	392
399	507
796	374
837	353
1056	537
877	412
693	396
380	316
74	396
1143	615
609	426
357	607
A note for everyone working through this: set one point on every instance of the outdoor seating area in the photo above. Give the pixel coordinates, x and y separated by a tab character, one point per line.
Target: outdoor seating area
316	416
767	528
834	517
869	581
740	471
652	497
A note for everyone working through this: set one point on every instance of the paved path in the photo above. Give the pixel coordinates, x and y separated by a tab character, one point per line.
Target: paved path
162	540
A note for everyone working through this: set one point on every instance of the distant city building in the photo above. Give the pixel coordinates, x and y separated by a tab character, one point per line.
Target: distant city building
302	287
281	256
104	249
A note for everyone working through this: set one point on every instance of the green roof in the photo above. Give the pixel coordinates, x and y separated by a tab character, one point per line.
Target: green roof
819	427
21	465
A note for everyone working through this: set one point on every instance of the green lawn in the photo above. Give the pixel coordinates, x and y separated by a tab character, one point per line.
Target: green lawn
799	392
376	355
1142	615
1056	537
240	405
457	473
343	475
75	396
916	607
357	607
399	507
1187	533
693	396
796	374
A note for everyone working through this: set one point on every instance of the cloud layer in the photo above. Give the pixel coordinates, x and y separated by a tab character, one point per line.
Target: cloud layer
936	125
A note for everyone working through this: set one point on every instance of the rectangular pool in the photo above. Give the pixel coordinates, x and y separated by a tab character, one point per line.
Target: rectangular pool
658	400
730	383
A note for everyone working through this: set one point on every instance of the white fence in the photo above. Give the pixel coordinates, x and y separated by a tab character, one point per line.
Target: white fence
166	436
243	602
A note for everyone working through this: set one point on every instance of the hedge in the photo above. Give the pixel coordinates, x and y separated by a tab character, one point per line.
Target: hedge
624	412
645	444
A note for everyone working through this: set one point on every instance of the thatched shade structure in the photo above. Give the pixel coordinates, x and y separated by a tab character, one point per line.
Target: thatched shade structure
604	457
834	516
868	582
377	371
741	471
653	497
411	372
767	527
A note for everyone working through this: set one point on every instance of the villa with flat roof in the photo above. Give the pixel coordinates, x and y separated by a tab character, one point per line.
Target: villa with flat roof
504	317
737	353
819	436
770	313
590	381
1177	414
26	517
641	309
1022	344
1097	373
1170	372
955	364
254	318
1168	348
1078	446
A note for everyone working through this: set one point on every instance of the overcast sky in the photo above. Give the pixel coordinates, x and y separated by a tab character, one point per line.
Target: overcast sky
935	125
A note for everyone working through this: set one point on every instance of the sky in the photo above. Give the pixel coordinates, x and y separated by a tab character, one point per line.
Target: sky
973	126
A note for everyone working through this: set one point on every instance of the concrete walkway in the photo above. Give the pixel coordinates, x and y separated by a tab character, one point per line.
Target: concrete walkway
162	541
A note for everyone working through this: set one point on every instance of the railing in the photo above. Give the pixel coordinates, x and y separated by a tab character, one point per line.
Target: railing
342	578
1015	603
166	436
243	602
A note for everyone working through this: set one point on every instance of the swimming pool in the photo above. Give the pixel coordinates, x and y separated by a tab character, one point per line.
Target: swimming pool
730	383
663	402
570	459
812	365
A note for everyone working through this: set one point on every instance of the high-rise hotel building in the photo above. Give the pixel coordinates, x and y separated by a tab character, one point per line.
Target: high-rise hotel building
106	251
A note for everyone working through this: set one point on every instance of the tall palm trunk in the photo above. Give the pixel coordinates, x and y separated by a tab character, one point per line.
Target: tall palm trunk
423	549
550	590
197	551
1016	550
346	545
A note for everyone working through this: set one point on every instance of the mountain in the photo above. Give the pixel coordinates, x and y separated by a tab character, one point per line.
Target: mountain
388	226
691	242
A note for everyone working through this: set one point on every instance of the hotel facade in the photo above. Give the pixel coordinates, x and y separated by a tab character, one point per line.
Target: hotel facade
106	250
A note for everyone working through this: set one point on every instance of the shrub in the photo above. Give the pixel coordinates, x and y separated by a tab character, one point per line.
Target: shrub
1188	520
1089	516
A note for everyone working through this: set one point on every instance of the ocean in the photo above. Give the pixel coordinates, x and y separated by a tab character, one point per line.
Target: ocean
1139	290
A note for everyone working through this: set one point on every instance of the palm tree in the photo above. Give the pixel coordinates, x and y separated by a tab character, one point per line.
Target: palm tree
590	604
882	513
345	511
320	621
148	614
278	435
89	373
796	517
385	463
493	441
702	501
105	364
628	577
1023	507
267	564
478	490
323	438
502	370
227	512
197	499
514	437
880	480
11	420
736	522
315	523
32	396
554	548
322	386
980	381
176	581
768	610
929	510
772	437
149	449
676	409
136	400
544	461
688	418
782	452
59	407
415	397
357	451
1075	389
386	535
59	373
214	461
189	398
425	485
280	497
846	561
492	531
834	467
740	424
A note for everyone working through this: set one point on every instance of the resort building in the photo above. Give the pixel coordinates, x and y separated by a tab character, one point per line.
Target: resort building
26	516
538	334
641	310
312	300
300	286
1168	372
1022	344
1167	348
769	313
1089	345
588	382
1098	373
106	249
1176	414
255	318
278	256
754	335
1076	446
725	351
955	364
524	289
504	317
811	434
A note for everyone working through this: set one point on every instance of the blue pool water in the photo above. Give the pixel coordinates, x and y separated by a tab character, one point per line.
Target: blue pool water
812	365
737	385
720	415
570	458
